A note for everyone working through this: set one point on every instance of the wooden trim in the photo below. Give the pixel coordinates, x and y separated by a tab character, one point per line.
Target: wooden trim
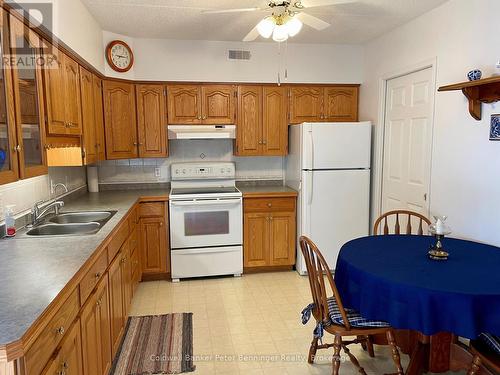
260	269
156	276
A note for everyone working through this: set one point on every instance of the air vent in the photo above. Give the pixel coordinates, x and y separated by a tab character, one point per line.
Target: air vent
239	55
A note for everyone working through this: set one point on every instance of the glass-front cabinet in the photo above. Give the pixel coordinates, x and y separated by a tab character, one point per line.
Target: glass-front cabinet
9	148
25	47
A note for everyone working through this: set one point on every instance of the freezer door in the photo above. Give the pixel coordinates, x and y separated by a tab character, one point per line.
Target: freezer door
345	145
334	210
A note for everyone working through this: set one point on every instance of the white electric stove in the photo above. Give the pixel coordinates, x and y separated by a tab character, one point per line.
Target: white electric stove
206	220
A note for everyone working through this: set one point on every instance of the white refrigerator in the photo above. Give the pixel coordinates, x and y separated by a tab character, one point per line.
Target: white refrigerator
329	165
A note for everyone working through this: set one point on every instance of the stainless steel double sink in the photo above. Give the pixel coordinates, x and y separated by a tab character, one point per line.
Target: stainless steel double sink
72	223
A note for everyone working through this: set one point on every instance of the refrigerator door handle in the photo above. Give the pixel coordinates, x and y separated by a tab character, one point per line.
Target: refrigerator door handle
310	183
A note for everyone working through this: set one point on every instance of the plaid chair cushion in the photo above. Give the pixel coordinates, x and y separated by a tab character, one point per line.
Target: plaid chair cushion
491	341
355	319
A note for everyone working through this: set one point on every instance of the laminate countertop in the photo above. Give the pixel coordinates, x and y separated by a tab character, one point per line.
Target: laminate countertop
34	270
250	190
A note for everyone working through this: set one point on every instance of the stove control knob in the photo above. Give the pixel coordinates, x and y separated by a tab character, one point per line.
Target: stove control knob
222	170
183	171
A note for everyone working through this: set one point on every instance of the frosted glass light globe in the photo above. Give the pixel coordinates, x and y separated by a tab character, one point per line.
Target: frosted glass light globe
280	33
294	26
265	27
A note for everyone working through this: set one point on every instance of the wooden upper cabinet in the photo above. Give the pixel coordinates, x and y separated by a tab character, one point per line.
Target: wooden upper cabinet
88	117
62	96
120	121
55	88
305	104
184	104
341	103
73	102
201	104
275	121
262	121
249	132
218	104
99	117
152	121
28	97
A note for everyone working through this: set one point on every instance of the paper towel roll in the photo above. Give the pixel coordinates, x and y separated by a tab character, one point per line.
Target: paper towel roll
92	179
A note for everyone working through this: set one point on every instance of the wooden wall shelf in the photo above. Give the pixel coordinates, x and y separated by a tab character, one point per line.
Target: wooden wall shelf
485	90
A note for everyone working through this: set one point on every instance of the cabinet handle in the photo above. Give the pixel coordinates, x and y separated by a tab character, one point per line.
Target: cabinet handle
97	275
124	260
204	117
99	302
60	330
135	143
17	148
264	142
260	142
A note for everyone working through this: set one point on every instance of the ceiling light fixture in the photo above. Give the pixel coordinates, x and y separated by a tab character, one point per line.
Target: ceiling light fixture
281	27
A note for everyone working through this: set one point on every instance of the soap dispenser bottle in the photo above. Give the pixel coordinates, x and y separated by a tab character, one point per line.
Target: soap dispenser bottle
10	221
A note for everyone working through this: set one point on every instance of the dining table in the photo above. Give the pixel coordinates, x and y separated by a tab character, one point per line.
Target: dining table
430	303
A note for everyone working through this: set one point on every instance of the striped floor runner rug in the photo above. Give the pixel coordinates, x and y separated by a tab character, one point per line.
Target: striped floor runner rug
156	344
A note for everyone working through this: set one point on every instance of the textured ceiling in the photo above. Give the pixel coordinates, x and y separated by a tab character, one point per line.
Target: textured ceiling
183	19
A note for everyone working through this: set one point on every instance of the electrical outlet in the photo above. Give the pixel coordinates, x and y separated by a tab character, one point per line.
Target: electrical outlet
157	172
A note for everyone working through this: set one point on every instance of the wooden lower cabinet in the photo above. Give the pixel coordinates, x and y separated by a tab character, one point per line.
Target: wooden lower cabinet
269	232
96	335
68	360
155	260
117	316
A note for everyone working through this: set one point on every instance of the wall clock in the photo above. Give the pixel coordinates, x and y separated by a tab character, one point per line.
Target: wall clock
119	56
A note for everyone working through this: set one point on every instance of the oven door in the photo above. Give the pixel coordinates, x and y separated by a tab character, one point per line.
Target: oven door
206	222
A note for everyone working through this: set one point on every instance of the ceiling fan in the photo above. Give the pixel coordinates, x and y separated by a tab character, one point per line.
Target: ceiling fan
286	19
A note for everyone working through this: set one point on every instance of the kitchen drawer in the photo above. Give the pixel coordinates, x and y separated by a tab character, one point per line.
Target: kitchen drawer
268	204
39	353
118	239
152	209
93	276
133	219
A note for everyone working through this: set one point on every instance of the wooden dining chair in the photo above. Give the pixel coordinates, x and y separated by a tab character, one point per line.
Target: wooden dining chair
332	317
486	351
398	218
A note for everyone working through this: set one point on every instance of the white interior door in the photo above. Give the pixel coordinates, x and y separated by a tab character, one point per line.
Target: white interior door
408	142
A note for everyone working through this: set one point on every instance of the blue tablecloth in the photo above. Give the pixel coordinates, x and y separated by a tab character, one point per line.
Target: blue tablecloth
390	278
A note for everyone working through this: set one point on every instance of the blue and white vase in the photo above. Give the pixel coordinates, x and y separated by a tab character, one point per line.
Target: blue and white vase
474	75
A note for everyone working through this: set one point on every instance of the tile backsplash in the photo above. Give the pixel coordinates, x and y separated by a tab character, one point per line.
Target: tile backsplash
158	170
24	193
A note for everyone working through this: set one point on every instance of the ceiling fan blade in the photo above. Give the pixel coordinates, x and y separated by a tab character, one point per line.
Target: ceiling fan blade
312	21
241	10
321	3
252	35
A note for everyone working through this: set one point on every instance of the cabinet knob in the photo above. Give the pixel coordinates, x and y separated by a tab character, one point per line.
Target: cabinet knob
264	142
97	275
124	260
204	117
135	143
269	205
99	302
60	330
161	223
260	142
17	148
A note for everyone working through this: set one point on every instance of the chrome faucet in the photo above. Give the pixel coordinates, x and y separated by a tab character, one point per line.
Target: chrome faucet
37	214
60	184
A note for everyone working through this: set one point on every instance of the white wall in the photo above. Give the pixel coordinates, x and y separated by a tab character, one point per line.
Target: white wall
176	60
76	27
143	170
466	165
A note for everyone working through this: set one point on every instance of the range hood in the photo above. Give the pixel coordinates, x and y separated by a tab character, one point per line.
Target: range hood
201	132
